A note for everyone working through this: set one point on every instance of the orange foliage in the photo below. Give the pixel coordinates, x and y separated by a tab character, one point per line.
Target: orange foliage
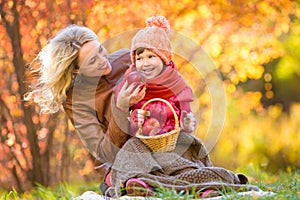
239	36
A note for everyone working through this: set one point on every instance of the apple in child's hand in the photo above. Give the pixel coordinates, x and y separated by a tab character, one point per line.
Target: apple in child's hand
136	77
151	126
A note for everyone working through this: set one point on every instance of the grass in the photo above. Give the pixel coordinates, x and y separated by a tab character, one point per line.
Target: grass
283	185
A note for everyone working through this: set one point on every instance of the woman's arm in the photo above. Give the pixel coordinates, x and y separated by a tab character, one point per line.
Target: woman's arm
89	109
102	138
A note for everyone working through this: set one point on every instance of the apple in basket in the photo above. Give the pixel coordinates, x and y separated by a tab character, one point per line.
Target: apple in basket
164	130
136	77
151	127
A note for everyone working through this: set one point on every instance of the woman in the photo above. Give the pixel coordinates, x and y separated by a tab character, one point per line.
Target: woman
74	71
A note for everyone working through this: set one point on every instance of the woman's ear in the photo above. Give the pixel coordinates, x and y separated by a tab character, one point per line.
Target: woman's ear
75	72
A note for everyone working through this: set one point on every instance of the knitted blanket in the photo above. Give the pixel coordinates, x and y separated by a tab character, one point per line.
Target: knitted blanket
187	167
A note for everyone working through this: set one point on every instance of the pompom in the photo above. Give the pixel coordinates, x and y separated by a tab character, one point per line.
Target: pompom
158	21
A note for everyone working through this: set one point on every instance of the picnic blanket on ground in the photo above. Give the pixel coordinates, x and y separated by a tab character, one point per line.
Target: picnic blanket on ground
90	195
186	168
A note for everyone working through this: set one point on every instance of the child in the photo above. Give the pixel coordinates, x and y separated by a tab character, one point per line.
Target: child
163	80
151	54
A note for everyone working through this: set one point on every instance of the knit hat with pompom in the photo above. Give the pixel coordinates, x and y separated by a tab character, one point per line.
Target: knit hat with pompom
155	38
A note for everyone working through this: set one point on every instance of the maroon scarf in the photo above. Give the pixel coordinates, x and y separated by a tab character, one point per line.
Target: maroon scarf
165	85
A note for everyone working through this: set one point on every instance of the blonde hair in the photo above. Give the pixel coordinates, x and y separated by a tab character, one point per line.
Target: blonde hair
54	67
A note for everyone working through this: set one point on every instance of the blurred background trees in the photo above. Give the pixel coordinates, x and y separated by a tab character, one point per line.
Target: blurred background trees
254	45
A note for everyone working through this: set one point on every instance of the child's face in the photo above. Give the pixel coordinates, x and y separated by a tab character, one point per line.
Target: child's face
149	63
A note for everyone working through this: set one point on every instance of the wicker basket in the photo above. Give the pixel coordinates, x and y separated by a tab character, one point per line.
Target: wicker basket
164	142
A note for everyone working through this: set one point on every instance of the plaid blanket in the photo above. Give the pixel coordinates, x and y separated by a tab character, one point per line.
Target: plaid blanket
187	167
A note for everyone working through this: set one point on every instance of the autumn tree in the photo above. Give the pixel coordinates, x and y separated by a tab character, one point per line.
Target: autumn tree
10	20
22	126
251	43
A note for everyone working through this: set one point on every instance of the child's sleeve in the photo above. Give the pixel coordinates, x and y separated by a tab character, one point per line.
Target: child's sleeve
187	118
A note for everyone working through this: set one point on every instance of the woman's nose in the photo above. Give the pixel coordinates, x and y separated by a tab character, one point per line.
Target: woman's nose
102	58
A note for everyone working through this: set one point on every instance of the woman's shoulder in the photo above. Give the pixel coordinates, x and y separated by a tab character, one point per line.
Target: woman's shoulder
121	55
120	61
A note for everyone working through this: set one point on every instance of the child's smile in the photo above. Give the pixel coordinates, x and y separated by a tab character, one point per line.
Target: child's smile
149	63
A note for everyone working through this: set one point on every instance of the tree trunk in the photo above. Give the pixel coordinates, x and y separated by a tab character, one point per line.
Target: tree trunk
47	155
13	30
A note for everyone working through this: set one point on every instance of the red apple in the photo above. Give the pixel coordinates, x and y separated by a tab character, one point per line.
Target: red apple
161	131
168	128
136	77
151	127
154	131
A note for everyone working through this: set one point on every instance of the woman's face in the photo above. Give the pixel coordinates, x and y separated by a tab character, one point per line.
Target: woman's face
92	60
149	63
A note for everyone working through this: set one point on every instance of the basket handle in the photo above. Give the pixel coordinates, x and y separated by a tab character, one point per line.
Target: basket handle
168	104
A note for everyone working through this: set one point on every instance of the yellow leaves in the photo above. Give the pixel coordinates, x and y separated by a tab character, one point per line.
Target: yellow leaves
269	138
248	102
42	23
268	86
265	8
269	94
30	3
204	11
205	98
285	27
58	23
74	5
226	68
281	28
43	40
242	74
285	69
35	13
255	72
234	78
213	45
11	138
244	52
59	2
239	41
35	119
216	50
297	13
275	111
58	135
230	88
12	99
185	23
267	77
10	4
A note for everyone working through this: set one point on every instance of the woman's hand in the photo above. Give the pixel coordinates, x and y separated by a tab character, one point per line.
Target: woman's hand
129	95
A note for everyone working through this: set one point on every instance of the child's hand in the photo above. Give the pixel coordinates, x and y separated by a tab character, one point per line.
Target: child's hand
188	121
137	95
129	95
139	116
